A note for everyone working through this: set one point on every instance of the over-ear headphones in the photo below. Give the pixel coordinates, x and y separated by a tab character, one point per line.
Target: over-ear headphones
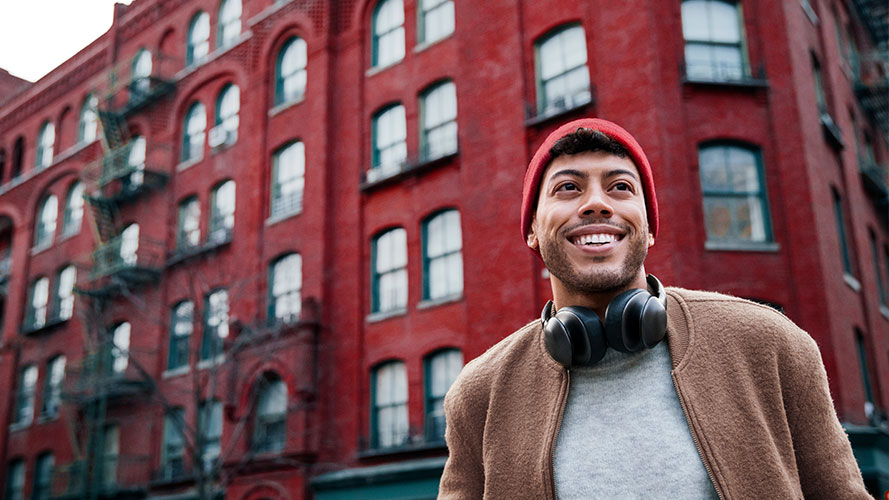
634	320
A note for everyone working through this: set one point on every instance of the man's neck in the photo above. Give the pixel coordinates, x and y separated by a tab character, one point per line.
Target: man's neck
597	301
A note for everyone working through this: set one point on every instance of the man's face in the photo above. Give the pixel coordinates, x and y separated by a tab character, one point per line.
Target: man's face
591	226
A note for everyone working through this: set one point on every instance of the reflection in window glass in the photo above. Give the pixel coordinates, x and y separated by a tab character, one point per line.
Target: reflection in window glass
89	119
290	77
388	33
714	46
389	271
563	80
735	208
443	259
45	142
195	132
229	23
288	179
437	20
439	115
390	140
198	39
285	300
390	405
442	369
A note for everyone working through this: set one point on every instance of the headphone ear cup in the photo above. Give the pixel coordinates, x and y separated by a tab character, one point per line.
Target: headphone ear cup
557	342
585	328
654	322
622	320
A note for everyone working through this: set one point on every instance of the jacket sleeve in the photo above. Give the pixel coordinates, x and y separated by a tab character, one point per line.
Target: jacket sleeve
827	469
464	476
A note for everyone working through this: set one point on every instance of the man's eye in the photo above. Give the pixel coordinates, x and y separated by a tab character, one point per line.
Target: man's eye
623	186
568	186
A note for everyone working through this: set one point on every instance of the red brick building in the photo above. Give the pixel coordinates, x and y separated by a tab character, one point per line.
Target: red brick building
246	245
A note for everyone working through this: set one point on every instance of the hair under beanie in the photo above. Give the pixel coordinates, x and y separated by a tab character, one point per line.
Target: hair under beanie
542	158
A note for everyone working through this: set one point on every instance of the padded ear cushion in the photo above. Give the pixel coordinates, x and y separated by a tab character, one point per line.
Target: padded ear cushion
587	338
557	341
620	331
654	322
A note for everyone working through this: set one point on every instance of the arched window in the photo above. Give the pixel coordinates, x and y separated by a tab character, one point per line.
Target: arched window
222	211
43	469
288	179
45	142
442	368
24	402
389	271
442	256
438	111
228	104
136	162
64	306
89	119
73	210
215	324
141	76
46	222
269	429
15	480
563	79
173	453
735	201
229	23
284	290
38	305
194	132
387	28
290	71
389	132
198	43
120	348
52	390
714	41
129	244
181	328
389	423
189	234
18	152
436	20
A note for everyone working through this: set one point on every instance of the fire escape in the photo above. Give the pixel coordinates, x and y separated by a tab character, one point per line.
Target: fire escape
872	91
111	373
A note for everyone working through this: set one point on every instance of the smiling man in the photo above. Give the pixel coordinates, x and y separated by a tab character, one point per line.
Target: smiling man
624	388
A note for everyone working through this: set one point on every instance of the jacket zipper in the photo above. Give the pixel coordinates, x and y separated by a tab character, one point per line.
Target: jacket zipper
552	450
694	437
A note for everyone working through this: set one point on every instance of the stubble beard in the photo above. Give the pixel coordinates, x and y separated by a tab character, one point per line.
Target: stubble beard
596	279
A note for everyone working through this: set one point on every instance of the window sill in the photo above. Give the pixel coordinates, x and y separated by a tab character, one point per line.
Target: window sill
41	248
741	246
175	372
748	83
18	426
384	315
425	45
541	119
67	235
280	108
187	253
448	299
188	163
50	324
832	131
223	147
280	217
810	13
209	363
379	69
46	419
852	282
409	169
423	446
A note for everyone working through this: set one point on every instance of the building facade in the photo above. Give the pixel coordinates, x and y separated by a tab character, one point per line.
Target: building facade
246	245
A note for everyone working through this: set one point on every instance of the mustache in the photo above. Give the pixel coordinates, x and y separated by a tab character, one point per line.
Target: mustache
598	221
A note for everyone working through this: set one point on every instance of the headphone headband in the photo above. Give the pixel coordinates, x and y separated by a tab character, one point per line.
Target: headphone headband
655	284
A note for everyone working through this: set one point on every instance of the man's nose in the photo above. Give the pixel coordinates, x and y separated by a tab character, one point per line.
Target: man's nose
595	202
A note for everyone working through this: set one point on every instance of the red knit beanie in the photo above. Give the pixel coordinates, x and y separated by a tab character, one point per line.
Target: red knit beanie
531	188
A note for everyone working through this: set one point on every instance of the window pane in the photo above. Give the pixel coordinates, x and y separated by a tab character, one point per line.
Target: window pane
388	32
229	105
66	292
390	405
52	395
222	217
189	223
695	23
89	119
195	127
46	224
564	76
229	22
286	284
129	244
198	39
120	352
438	19
292	72
45	145
288	180
724	21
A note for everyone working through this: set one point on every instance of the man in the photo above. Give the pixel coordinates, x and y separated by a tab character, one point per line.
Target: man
733	404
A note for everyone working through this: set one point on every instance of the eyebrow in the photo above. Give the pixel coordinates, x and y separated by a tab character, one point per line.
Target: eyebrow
583	175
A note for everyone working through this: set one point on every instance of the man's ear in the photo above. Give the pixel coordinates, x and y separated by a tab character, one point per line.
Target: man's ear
531	238
650	240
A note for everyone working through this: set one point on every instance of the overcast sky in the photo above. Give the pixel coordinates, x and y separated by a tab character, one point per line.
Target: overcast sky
38	35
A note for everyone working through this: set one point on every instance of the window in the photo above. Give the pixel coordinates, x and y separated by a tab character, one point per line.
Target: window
189	235
38	305
136	163
733	187
820	97
110	456
222	211
439	117
563	80
45	142
227	106
389	263
865	375
229	23
436	20
210	420
387	33
442	368
24	402
73	210
15	477
269	432
89	119
442	256
198	45
65	293
389	141
290	74
389	410
43	477
120	350
18	152
286	281
141	79
173	453
288	179
193	138
881	285
46	222
840	215
129	244
52	389
714	41
215	324
181	326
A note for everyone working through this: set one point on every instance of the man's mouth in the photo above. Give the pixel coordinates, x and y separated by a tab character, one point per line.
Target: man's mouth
597	239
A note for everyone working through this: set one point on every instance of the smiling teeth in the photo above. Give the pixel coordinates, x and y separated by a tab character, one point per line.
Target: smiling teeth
589	239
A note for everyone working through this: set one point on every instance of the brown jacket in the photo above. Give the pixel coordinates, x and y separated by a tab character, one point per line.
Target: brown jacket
751	383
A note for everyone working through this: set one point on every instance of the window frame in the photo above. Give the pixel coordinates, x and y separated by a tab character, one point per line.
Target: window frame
281	206
741	45
26	396
140	84
223	41
262	423
427	260
46	223
209	412
212	336
189	210
545	105
15	487
63	299
761	196
191	151
222	223
41	488
46	140
74	204
179	353
846	254
376	441
231	121
376	36
38	310
425	130
376	165
429	399
423	13
173	443
89	120
280	96
272	311
191	59
376	275
52	387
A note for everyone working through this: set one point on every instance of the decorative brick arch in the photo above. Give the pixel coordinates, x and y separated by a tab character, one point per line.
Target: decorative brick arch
254	374
266	489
